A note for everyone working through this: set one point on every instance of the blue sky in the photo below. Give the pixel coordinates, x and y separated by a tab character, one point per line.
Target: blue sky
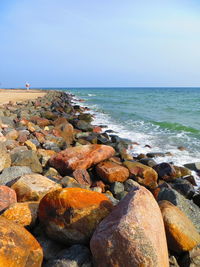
61	43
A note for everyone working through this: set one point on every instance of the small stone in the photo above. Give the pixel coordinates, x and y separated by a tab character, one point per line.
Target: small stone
82	177
130	185
30	145
155	154
117	188
13	135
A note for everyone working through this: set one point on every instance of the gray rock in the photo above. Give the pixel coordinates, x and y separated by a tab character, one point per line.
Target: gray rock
75	256
191	210
10	174
117	188
27	158
193	166
121	195
155	154
148	161
184	187
51	146
7	120
130	184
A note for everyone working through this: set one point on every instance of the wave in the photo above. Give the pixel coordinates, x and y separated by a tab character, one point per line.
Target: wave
176	127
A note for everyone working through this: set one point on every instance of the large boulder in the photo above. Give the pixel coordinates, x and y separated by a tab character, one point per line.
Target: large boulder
32	187
165	171
144	175
188	207
27	158
22	213
111	172
70	215
18	247
132	234
7	197
181	233
80	157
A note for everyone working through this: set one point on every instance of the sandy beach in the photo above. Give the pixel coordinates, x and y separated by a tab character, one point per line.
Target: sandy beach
17	95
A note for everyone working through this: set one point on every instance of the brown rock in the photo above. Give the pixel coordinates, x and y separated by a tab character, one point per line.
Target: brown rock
18	247
144	175
111	172
5	159
82	177
40	137
132	234
13	134
24	214
180	231
66	130
80	157
31	145
70	215
7	197
32	187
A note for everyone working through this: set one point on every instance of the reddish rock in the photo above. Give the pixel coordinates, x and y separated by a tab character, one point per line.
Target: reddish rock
40	137
80	157
42	122
132	234
66	130
82	177
24	214
70	215
60	120
18	247
111	172
101	185
97	129
143	174
7	197
181	233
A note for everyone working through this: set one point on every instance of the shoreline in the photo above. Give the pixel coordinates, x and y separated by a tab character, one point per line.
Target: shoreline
75	174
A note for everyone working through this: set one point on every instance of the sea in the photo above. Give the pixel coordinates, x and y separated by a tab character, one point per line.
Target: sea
157	119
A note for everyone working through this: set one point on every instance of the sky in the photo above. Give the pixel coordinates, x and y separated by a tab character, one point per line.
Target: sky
99	43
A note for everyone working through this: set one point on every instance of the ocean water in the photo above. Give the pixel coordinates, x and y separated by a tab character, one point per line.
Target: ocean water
163	118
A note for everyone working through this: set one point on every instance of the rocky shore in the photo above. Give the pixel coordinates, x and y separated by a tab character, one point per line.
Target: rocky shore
71	195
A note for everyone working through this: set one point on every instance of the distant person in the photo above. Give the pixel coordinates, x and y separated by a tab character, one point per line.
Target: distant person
27	86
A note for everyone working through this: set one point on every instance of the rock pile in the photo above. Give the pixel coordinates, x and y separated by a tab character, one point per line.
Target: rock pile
72	195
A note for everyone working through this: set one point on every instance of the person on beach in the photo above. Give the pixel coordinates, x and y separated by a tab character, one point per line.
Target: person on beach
27	86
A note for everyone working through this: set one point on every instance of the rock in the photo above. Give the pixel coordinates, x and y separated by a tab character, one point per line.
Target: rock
7	121
117	188
111	172
5	160
18	149
192	258
23	136
112	199
10	174
100	184
130	185
12	134
66	130
70	215
148	161
24	214
51	146
121	195
182	171
196	199
51	172
155	154
81	157
32	187
130	234
82	177
193	166
27	158
191	210
165	171
180	231
184	187
7	197
68	181
18	247
85	117
75	256
31	145
143	174
84	126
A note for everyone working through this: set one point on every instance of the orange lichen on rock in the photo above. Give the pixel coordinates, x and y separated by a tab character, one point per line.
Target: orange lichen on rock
18	247
181	233
72	214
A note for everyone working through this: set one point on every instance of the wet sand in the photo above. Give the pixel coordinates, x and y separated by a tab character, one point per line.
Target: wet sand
18	95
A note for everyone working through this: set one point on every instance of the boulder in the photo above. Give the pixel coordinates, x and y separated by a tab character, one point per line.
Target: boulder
7	197
194	166
82	177
10	174
70	215
184	187
155	154
75	256
24	214
143	174
5	160
130	235
27	158
32	187
18	247
165	171
188	207
148	161
180	231
81	157
111	172
66	130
